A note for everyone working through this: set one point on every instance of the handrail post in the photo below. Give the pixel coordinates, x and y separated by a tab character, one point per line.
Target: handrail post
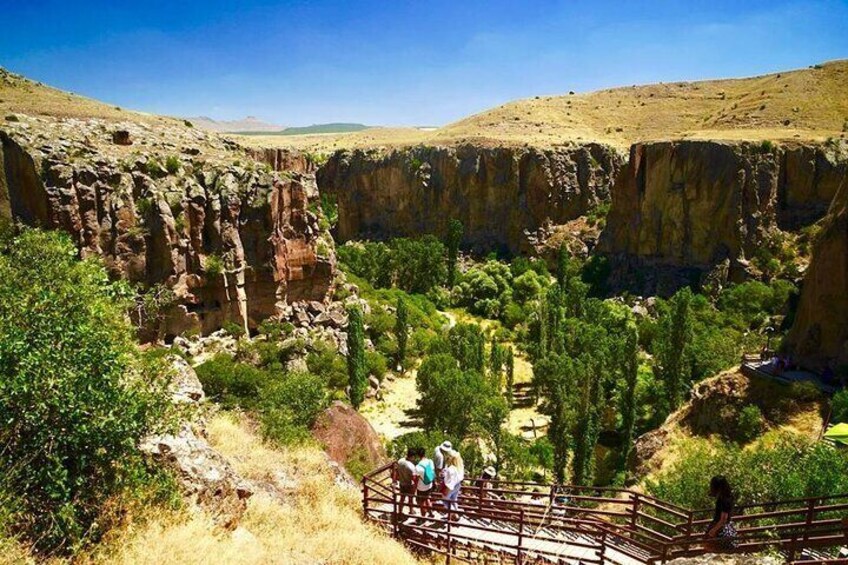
364	497
518	554
603	546
395	515
635	510
448	549
811	509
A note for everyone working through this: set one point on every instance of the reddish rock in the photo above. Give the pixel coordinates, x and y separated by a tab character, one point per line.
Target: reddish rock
347	435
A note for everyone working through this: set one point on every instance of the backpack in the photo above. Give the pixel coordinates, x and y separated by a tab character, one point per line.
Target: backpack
429	473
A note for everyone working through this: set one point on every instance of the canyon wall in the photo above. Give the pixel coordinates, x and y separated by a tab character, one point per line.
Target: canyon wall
233	241
682	210
503	196
819	334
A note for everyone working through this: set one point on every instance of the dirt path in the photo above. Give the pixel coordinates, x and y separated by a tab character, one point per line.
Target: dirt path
395	415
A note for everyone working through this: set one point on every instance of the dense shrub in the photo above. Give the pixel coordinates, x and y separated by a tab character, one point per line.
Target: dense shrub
839	404
290	407
751	423
749	304
74	400
797	468
414	265
485	289
232	384
325	361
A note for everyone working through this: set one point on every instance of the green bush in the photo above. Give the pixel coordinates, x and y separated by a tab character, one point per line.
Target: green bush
750	424
230	383
839	406
234	329
796	468
172	164
325	361
74	399
376	363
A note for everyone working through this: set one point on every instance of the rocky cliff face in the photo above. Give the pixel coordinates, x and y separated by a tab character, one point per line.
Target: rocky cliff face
179	209
819	334
503	196
683	209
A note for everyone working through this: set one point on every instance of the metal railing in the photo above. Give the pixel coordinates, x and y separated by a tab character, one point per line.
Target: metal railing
531	522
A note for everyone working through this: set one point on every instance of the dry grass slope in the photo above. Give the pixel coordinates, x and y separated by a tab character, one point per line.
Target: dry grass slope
316	521
319	522
802	105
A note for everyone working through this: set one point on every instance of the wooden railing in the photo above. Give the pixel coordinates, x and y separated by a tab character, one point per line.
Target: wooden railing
521	520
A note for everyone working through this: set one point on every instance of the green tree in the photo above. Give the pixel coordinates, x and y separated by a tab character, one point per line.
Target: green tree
562	266
671	346
455	232
510	375
418	264
468	346
629	360
357	369
556	377
401	331
74	397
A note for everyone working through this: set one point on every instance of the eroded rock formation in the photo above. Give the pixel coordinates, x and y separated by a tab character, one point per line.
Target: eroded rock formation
682	209
503	196
187	210
819	334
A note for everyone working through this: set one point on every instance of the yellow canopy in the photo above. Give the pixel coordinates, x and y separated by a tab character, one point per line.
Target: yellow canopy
839	433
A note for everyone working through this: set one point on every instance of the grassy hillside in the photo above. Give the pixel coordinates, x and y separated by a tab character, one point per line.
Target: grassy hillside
21	95
806	104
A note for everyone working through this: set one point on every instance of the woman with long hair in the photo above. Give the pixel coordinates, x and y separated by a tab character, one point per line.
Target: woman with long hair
454	475
721	534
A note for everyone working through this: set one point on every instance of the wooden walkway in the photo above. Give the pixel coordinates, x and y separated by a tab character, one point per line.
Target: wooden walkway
528	523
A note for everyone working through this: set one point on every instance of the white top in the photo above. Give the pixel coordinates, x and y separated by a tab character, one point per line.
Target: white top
453	477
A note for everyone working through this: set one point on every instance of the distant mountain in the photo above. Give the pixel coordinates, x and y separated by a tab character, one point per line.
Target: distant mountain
250	124
336	127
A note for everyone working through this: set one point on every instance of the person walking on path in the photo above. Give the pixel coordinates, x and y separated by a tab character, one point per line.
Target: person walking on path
439	458
403	474
454	475
426	482
721	533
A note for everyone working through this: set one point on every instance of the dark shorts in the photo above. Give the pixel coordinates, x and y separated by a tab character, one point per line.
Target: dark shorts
424	494
407	489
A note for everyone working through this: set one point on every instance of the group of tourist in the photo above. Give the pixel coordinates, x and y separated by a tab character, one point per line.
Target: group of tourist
420	479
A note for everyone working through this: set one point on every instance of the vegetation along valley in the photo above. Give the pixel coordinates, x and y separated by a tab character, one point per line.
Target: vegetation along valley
575	297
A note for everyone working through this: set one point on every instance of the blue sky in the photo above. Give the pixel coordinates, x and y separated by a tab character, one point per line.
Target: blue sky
398	62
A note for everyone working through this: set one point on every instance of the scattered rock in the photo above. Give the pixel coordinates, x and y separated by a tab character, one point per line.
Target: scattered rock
121	137
204	474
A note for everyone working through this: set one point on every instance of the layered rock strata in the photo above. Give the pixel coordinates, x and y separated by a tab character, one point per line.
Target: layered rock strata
503	196
819	334
685	209
176	209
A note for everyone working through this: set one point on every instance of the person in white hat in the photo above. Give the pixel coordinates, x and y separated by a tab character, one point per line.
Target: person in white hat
439	459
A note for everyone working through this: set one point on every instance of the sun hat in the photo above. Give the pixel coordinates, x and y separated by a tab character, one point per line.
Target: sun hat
446	446
490	471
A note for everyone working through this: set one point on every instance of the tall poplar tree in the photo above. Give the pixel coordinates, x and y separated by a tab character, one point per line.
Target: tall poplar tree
357	370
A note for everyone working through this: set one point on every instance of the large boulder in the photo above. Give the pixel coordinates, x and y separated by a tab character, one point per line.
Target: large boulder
347	436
